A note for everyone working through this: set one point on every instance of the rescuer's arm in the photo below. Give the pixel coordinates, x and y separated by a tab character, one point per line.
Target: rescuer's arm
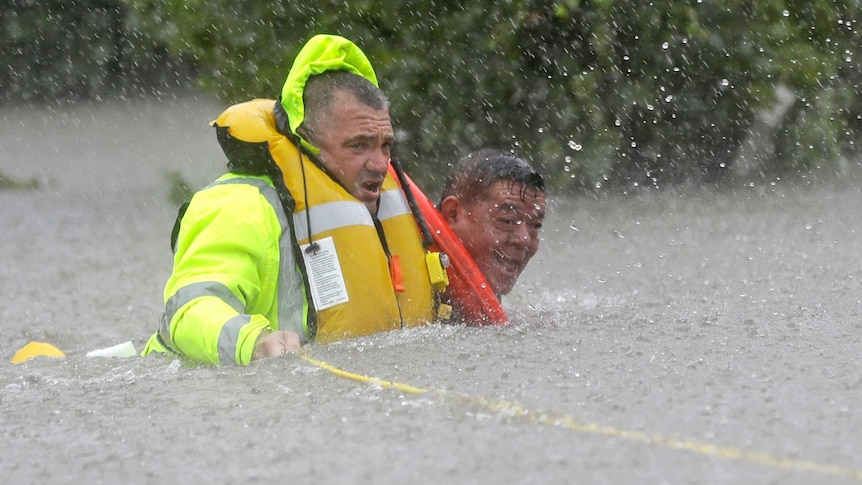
225	275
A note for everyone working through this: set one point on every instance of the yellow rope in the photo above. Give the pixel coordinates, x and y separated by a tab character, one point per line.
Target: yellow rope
566	422
360	378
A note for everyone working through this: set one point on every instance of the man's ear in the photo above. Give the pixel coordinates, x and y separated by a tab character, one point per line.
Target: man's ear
450	209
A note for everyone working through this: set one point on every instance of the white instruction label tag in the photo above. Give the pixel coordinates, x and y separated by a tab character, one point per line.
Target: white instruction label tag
324	274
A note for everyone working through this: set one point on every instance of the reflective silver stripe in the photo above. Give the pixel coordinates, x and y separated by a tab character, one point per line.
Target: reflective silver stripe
229	337
332	215
188	293
392	204
197	290
291	297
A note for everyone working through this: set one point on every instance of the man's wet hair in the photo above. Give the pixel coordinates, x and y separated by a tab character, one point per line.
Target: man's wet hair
320	91
475	173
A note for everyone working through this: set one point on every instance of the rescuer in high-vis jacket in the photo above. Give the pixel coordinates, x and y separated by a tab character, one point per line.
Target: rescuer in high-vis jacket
308	237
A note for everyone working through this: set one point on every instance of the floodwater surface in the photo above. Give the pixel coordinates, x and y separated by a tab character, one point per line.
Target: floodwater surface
696	336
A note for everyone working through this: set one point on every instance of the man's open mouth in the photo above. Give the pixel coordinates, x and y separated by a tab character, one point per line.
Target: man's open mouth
509	265
372	188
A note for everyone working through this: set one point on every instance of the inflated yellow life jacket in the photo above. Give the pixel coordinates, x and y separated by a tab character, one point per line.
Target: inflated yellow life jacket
352	269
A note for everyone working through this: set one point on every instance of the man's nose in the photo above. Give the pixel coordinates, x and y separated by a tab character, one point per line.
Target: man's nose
378	162
521	234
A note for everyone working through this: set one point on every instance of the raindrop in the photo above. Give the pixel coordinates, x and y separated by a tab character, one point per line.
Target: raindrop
786	13
665	45
574	146
725	82
668	99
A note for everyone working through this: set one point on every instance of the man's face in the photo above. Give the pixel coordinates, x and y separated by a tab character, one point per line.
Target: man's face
500	230
355	142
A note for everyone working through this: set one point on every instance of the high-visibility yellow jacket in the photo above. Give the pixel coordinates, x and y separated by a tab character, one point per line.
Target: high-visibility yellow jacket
279	244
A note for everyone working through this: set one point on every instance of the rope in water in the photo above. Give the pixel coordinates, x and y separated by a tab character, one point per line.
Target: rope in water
566	422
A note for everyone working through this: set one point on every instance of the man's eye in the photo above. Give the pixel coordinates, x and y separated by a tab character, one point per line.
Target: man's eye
508	224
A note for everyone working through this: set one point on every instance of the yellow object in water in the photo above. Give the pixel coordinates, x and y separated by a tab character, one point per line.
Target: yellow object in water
36	349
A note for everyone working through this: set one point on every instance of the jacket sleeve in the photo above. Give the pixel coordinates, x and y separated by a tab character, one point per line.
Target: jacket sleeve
225	271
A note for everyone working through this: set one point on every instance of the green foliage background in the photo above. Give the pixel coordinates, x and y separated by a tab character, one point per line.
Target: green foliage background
598	93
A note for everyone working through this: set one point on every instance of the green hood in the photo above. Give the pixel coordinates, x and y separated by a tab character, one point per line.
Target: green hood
321	53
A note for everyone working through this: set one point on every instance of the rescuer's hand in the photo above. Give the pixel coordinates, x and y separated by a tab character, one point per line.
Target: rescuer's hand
273	344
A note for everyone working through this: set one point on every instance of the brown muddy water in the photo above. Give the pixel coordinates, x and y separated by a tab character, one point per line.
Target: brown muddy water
697	337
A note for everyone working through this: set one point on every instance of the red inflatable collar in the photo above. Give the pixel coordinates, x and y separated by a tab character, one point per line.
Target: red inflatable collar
469	293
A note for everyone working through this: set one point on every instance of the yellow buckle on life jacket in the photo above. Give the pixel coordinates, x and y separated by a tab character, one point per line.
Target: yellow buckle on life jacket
437	264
